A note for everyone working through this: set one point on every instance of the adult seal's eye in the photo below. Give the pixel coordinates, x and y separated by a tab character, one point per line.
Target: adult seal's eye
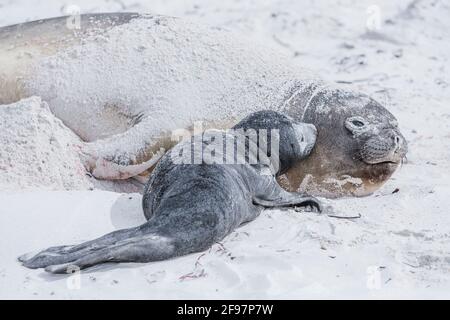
358	123
355	124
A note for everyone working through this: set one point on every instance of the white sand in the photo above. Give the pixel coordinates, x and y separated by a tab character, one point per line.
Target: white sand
37	151
399	248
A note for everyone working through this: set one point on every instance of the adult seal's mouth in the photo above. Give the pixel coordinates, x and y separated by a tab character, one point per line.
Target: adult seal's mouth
375	146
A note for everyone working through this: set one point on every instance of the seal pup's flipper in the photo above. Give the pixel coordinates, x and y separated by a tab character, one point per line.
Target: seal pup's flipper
65	254
55	250
288	200
140	244
144	248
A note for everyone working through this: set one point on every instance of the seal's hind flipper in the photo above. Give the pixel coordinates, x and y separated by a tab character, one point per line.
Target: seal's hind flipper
55	250
127	245
288	200
144	248
65	254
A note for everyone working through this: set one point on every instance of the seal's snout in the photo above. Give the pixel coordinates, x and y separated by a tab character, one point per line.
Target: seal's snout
388	146
400	145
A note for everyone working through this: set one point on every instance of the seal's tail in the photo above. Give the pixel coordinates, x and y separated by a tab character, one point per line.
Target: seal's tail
128	245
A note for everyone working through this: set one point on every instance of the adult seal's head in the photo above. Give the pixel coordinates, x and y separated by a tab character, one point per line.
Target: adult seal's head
359	145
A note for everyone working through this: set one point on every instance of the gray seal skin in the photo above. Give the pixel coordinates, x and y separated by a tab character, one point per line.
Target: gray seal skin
124	81
189	207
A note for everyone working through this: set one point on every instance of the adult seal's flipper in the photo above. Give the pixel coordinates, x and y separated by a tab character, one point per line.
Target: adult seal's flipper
290	200
126	154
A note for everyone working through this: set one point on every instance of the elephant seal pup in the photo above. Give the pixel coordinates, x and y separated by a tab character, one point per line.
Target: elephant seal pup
190	206
123	82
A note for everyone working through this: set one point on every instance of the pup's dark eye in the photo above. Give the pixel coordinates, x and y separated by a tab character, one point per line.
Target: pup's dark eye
358	123
303	139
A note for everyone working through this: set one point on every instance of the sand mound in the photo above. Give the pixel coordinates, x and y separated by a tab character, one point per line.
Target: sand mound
37	151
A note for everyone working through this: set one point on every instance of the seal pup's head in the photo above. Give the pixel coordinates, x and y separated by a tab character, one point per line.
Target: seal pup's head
295	139
359	145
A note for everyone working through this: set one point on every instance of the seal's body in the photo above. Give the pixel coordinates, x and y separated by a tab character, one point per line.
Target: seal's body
191	206
124	81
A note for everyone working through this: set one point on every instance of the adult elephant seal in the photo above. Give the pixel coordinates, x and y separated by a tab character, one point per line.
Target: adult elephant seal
189	206
123	82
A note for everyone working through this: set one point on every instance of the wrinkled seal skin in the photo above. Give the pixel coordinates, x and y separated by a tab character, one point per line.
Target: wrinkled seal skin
224	79
189	207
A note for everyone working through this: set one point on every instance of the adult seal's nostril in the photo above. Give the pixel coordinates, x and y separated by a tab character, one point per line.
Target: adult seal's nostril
398	141
401	146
